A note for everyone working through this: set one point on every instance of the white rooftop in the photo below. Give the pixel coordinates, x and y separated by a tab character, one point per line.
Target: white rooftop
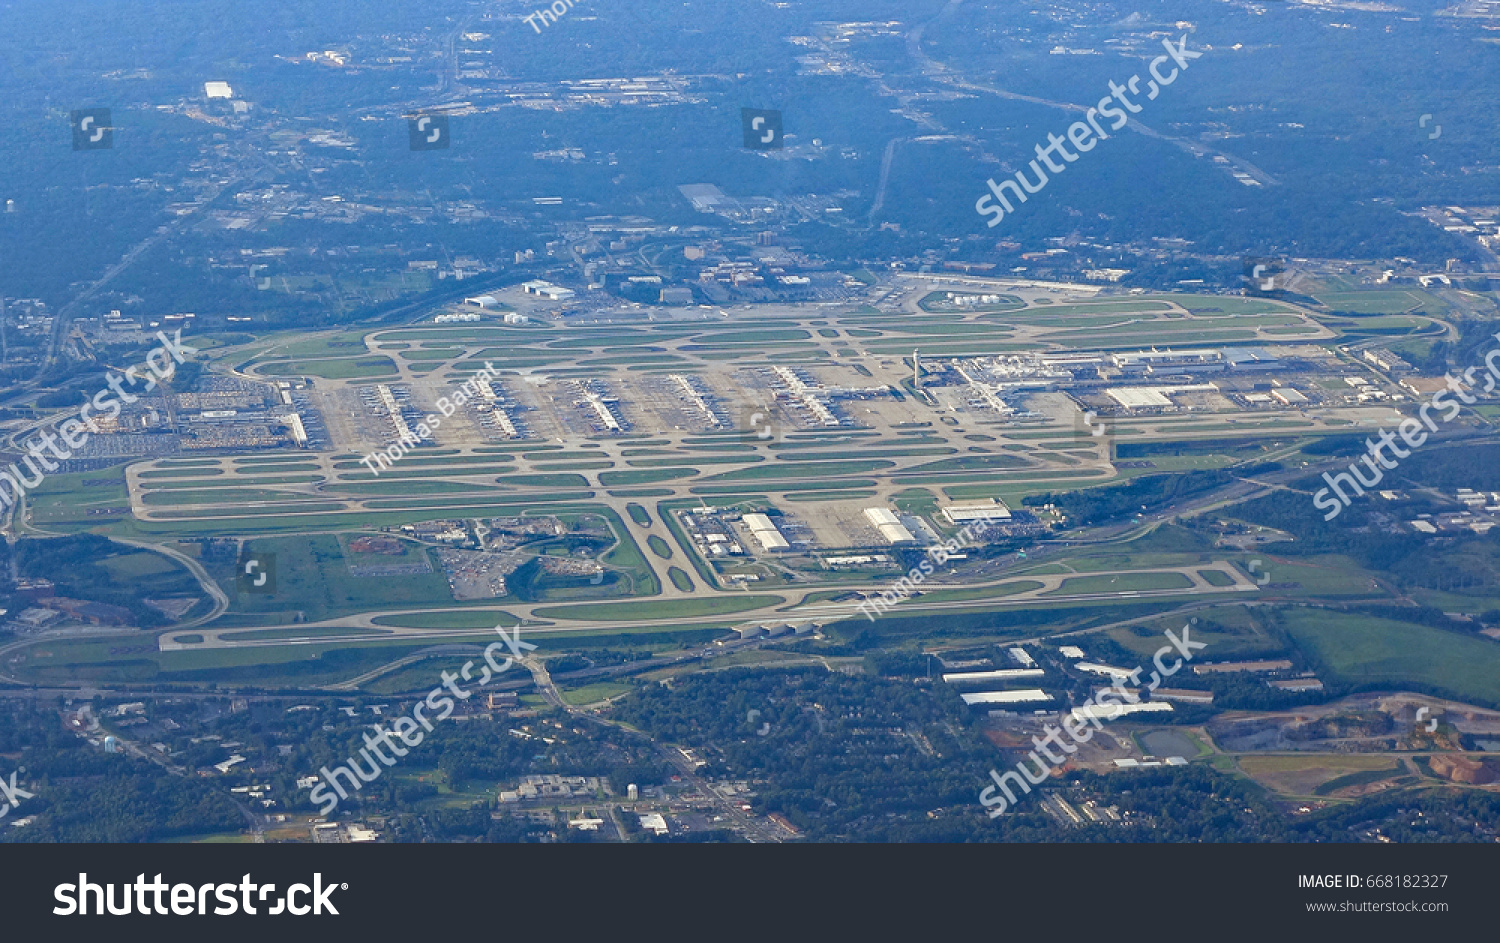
1116	711
1026	696
1003	674
1106	670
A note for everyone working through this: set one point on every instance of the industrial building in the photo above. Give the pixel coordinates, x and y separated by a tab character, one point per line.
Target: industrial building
1185	695
547	290
889	525
765	532
991	510
1152	362
1115	711
1024	696
984	677
1135	397
1387	360
709	533
1108	671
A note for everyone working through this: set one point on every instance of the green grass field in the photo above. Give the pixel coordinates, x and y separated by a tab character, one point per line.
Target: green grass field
340	369
1396	301
593	693
313	577
1120	583
1367	650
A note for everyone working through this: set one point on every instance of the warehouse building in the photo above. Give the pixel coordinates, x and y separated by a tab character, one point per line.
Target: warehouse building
984	511
1116	711
1024	696
547	290
889	525
765	532
1003	674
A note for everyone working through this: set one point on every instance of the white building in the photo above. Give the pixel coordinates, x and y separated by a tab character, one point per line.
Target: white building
298	431
217	90
889	525
1025	696
1116	711
765	532
547	290
991	510
1120	674
1003	674
654	822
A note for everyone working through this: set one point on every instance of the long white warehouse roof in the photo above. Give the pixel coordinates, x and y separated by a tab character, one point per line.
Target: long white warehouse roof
889	525
991	510
1027	696
765	532
1116	711
1107	670
1003	674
